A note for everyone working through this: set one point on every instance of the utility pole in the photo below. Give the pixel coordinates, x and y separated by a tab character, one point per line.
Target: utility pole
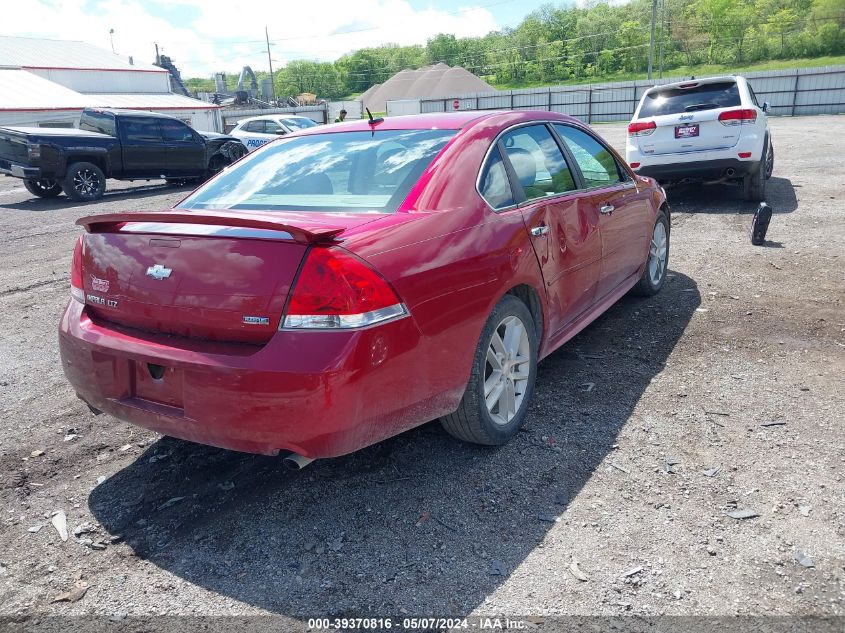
651	41
662	36
270	61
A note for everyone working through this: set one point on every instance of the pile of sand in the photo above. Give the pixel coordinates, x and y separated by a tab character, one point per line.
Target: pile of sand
429	82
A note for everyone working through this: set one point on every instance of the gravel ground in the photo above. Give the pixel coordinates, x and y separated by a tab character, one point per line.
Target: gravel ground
646	431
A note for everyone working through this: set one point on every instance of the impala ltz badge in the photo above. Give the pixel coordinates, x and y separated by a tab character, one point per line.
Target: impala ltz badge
99	285
159	272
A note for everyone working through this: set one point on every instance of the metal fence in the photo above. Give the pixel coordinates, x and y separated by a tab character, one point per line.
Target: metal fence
789	92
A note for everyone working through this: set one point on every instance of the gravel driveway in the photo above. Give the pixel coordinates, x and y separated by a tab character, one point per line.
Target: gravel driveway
647	432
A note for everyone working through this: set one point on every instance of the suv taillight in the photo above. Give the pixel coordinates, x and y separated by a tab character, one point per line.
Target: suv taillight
641	128
745	116
336	290
76	289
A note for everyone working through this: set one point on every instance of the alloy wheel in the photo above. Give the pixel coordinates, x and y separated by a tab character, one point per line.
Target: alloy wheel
86	182
657	254
506	370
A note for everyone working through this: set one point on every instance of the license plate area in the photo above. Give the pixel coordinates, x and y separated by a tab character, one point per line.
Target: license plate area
686	131
157	384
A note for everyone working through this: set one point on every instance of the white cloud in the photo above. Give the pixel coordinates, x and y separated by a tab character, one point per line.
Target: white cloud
205	36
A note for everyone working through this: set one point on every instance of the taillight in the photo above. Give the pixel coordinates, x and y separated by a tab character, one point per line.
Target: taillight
738	117
335	290
76	289
641	128
634	165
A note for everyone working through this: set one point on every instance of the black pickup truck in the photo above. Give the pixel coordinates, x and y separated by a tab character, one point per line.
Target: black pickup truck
120	144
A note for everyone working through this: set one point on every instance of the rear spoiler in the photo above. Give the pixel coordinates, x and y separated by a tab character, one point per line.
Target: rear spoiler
302	231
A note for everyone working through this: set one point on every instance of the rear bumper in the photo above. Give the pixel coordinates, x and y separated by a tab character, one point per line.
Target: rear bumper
19	171
705	169
319	394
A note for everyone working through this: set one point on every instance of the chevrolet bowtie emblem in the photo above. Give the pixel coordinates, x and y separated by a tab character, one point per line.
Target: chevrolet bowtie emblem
159	272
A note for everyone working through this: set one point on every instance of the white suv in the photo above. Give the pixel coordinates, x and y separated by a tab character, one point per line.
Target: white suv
703	129
260	130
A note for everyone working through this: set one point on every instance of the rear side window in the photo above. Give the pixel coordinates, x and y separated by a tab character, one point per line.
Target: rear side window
598	166
140	129
363	172
256	127
98	122
495	187
537	162
724	94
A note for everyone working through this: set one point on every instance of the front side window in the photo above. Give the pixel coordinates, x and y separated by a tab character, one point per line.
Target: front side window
176	131
271	127
495	186
359	172
597	164
538	162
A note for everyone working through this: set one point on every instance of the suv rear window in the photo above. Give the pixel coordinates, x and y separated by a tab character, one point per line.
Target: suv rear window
675	100
343	171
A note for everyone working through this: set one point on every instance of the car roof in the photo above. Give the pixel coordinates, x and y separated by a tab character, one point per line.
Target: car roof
441	121
273	117
130	113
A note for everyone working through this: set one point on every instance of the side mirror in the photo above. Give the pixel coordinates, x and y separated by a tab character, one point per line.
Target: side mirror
766	106
280	132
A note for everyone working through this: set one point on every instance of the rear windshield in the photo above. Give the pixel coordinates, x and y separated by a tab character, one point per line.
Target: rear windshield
703	97
98	122
342	171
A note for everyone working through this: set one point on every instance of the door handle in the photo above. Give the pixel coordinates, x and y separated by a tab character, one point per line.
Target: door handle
539	231
607	209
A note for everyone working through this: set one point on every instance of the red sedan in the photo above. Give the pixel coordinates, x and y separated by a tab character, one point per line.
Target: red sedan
346	283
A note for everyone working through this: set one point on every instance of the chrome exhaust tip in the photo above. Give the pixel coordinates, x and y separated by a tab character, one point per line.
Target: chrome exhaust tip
296	462
730	171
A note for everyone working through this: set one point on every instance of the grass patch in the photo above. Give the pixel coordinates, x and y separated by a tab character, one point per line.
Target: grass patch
699	70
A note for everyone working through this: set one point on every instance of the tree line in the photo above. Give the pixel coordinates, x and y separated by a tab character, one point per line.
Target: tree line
562	43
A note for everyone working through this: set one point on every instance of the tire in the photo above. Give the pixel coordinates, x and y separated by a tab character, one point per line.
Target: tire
43	187
474	421
654	273
770	161
84	182
215	166
754	184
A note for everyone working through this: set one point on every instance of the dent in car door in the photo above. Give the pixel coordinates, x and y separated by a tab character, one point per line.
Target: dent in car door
561	222
623	211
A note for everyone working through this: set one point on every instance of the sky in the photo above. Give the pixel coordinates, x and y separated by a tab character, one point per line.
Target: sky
206	36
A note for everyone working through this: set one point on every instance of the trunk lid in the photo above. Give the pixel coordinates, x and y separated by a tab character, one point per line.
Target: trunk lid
689	132
214	276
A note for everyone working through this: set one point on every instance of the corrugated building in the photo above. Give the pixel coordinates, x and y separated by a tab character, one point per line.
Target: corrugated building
48	83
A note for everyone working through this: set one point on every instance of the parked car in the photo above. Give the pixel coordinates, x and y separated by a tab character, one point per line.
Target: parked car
119	144
349	282
703	129
260	130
